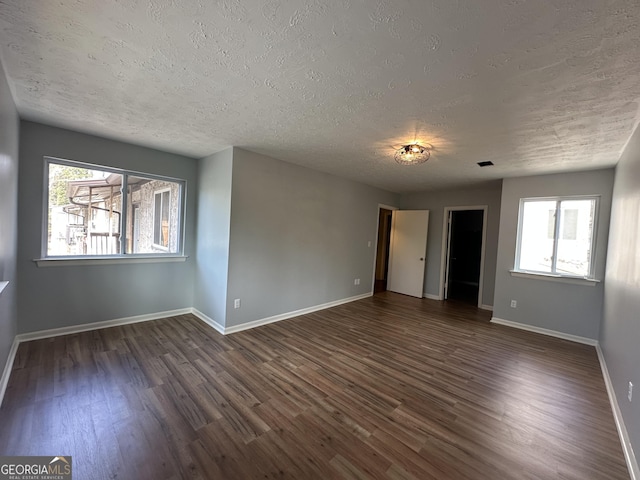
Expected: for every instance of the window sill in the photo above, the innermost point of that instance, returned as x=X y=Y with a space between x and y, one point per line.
x=591 y=282
x=74 y=262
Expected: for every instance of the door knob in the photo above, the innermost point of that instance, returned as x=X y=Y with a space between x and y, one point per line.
x=421 y=259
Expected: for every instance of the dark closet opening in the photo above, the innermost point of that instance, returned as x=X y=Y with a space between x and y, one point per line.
x=464 y=256
x=382 y=255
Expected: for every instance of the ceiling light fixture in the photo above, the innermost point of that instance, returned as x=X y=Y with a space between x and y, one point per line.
x=412 y=154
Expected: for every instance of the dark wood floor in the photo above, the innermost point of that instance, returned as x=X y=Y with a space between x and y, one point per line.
x=388 y=387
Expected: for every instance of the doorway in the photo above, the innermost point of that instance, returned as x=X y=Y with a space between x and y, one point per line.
x=464 y=254
x=382 y=251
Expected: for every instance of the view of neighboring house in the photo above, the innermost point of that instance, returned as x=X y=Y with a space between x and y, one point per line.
x=86 y=221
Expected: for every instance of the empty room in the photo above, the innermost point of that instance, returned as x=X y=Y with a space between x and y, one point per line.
x=319 y=239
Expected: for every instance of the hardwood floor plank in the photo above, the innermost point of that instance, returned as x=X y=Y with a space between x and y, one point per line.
x=402 y=456
x=389 y=387
x=398 y=473
x=343 y=442
x=107 y=451
x=347 y=470
x=17 y=425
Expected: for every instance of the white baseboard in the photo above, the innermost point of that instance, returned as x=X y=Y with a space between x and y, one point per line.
x=629 y=456
x=545 y=331
x=287 y=315
x=208 y=320
x=4 y=380
x=625 y=441
x=431 y=297
x=55 y=332
x=622 y=431
x=438 y=297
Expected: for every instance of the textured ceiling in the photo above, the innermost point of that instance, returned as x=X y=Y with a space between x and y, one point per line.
x=337 y=85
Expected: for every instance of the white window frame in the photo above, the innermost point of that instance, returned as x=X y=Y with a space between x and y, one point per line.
x=55 y=260
x=554 y=273
x=160 y=192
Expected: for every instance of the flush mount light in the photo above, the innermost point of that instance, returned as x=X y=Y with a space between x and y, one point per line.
x=412 y=154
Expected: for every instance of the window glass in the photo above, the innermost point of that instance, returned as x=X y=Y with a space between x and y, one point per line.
x=84 y=207
x=86 y=214
x=556 y=236
x=575 y=237
x=153 y=225
x=537 y=233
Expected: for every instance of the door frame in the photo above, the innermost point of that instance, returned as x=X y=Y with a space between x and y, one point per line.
x=445 y=245
x=375 y=250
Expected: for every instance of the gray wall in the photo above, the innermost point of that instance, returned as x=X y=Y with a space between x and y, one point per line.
x=9 y=131
x=435 y=202
x=212 y=244
x=298 y=237
x=566 y=308
x=620 y=332
x=62 y=296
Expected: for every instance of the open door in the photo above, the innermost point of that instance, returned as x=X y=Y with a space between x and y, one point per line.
x=408 y=251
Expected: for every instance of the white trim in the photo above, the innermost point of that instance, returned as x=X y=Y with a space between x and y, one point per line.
x=558 y=201
x=625 y=441
x=160 y=192
x=208 y=320
x=627 y=448
x=591 y=282
x=111 y=260
x=545 y=331
x=48 y=160
x=622 y=431
x=3 y=285
x=287 y=315
x=6 y=373
x=485 y=221
x=386 y=207
x=55 y=332
x=437 y=297
x=85 y=327
x=443 y=255
x=431 y=297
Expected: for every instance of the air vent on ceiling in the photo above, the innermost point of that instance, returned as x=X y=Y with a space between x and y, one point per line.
x=485 y=164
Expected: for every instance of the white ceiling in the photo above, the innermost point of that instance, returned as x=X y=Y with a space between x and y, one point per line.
x=336 y=85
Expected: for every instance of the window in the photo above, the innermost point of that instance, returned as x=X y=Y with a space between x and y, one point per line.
x=556 y=236
x=101 y=211
x=161 y=219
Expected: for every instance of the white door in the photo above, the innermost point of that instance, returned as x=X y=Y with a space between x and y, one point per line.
x=408 y=251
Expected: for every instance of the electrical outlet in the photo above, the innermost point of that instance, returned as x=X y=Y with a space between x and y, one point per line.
x=356 y=281
x=514 y=303
x=369 y=244
x=630 y=394
x=236 y=303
